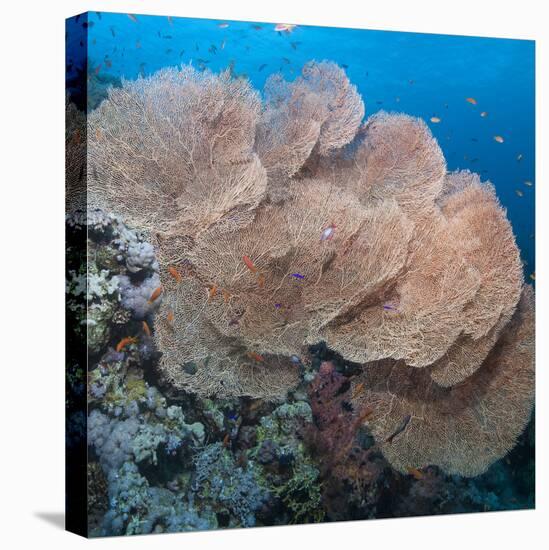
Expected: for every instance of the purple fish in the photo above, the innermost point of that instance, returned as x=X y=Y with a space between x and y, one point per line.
x=278 y=306
x=389 y=307
x=298 y=276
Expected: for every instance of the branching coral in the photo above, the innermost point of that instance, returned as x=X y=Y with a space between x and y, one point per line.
x=285 y=224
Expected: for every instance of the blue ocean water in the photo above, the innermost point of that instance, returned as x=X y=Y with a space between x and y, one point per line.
x=426 y=75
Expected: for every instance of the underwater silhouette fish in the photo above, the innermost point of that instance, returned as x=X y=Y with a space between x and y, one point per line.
x=213 y=49
x=132 y=17
x=528 y=183
x=261 y=67
x=484 y=114
x=294 y=45
x=435 y=119
x=223 y=25
x=257 y=27
x=519 y=193
x=170 y=19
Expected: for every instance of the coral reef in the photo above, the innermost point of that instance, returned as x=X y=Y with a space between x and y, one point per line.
x=284 y=223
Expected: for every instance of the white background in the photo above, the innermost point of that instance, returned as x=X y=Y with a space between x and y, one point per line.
x=32 y=279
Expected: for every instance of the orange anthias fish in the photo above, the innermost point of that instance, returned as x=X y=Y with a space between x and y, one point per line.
x=435 y=119
x=170 y=317
x=226 y=295
x=249 y=264
x=125 y=342
x=261 y=280
x=255 y=356
x=175 y=274
x=358 y=390
x=146 y=328
x=471 y=100
x=285 y=27
x=365 y=414
x=499 y=139
x=416 y=473
x=132 y=17
x=157 y=292
x=212 y=292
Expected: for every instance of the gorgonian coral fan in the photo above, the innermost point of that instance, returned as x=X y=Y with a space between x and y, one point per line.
x=287 y=222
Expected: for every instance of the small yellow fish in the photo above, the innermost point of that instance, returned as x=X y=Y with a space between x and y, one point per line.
x=471 y=100
x=499 y=139
x=435 y=119
x=528 y=183
x=519 y=192
x=416 y=473
x=533 y=276
x=484 y=114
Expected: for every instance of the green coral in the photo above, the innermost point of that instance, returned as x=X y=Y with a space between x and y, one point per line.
x=302 y=493
x=299 y=490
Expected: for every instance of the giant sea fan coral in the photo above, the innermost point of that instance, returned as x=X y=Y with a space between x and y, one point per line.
x=290 y=223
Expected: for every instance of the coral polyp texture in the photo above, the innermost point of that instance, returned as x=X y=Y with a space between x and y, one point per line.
x=282 y=220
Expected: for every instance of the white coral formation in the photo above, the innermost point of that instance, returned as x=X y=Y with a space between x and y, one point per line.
x=284 y=225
